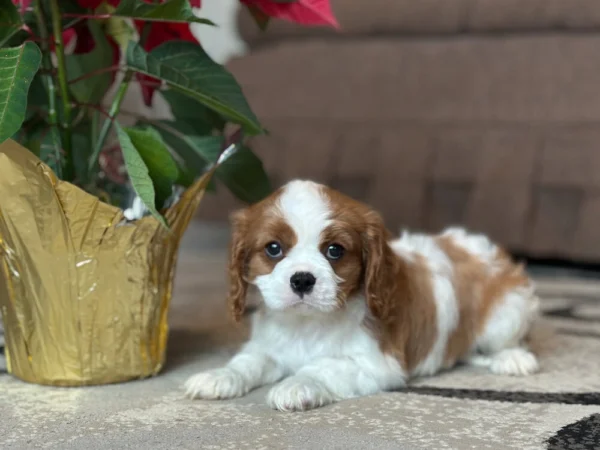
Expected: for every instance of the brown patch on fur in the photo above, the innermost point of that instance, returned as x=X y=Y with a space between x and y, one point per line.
x=398 y=293
x=478 y=289
x=349 y=267
x=509 y=277
x=363 y=231
x=411 y=330
x=273 y=228
x=470 y=274
x=253 y=228
x=238 y=286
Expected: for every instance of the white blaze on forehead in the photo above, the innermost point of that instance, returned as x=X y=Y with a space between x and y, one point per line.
x=305 y=208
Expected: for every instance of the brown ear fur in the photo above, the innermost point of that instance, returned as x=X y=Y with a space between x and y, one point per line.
x=238 y=254
x=381 y=269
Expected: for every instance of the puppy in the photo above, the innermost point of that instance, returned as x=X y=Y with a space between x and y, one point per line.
x=349 y=312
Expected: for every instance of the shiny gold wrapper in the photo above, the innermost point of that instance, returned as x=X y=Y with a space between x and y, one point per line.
x=83 y=293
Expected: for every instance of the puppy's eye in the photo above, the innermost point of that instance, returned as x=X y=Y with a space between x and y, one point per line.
x=273 y=249
x=334 y=251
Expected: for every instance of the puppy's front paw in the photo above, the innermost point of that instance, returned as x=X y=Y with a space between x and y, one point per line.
x=218 y=384
x=514 y=361
x=298 y=394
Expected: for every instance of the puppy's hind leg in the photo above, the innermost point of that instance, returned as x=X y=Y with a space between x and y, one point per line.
x=500 y=345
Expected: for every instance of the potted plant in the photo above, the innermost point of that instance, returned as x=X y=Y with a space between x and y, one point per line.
x=94 y=199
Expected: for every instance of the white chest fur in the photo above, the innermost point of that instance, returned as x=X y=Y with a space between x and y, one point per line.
x=295 y=340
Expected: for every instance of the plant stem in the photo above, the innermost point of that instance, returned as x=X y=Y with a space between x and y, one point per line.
x=47 y=64
x=87 y=16
x=94 y=131
x=69 y=171
x=94 y=73
x=93 y=136
x=112 y=113
x=114 y=107
x=95 y=109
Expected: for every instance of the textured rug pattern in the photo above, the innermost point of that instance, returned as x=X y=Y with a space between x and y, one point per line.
x=559 y=408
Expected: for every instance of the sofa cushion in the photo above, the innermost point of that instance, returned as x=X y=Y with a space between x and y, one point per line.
x=498 y=133
x=442 y=16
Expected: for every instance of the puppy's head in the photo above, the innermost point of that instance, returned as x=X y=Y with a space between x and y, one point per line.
x=308 y=248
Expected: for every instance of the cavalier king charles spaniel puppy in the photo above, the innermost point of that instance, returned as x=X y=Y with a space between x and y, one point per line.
x=347 y=311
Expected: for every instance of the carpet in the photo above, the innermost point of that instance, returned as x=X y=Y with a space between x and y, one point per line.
x=559 y=408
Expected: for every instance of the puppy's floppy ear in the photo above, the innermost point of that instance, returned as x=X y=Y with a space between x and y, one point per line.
x=380 y=267
x=238 y=254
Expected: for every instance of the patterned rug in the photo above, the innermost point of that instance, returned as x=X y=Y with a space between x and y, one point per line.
x=559 y=408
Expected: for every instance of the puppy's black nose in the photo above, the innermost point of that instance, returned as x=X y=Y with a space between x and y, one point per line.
x=302 y=282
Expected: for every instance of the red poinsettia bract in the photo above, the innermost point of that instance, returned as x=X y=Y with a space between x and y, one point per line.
x=303 y=12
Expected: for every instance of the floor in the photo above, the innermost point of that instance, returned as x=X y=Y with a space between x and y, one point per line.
x=462 y=408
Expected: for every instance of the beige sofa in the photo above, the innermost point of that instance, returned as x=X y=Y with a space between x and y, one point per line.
x=484 y=113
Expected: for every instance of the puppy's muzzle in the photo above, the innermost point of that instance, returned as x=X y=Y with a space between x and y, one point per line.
x=302 y=283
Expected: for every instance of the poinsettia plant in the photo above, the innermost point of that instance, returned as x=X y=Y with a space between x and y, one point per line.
x=65 y=67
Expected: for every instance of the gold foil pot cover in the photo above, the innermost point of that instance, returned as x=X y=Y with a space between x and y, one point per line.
x=83 y=293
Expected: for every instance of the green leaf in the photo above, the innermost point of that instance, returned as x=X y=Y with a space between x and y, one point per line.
x=242 y=173
x=186 y=67
x=186 y=109
x=182 y=140
x=191 y=165
x=139 y=174
x=91 y=89
x=18 y=66
x=169 y=11
x=161 y=166
x=190 y=147
x=10 y=21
